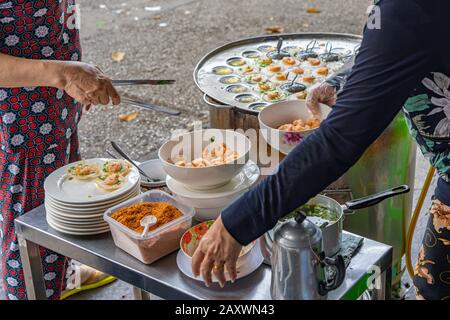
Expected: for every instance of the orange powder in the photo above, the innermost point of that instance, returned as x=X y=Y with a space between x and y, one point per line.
x=131 y=216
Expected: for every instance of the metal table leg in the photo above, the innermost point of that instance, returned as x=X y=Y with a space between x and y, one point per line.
x=139 y=294
x=32 y=269
x=383 y=292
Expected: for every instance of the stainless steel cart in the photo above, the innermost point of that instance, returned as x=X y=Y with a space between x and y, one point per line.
x=163 y=277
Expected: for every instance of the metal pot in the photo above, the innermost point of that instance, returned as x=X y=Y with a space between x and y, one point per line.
x=332 y=233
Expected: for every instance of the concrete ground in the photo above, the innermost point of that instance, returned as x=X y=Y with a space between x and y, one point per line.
x=167 y=43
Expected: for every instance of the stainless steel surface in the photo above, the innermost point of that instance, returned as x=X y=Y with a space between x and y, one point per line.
x=148 y=106
x=163 y=278
x=126 y=157
x=32 y=268
x=213 y=103
x=296 y=266
x=332 y=234
x=208 y=82
x=142 y=82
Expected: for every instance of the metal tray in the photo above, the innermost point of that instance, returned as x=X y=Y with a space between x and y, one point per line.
x=209 y=83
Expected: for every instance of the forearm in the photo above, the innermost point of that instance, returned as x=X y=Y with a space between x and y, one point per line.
x=20 y=72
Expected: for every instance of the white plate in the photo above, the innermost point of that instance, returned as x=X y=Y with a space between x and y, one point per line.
x=75 y=231
x=74 y=191
x=76 y=226
x=255 y=260
x=243 y=181
x=92 y=209
x=74 y=216
x=154 y=169
x=88 y=206
x=80 y=221
x=63 y=220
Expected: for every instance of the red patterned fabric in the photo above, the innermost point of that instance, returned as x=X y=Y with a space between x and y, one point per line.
x=38 y=128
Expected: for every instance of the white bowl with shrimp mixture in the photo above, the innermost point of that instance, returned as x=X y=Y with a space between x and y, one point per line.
x=284 y=113
x=205 y=159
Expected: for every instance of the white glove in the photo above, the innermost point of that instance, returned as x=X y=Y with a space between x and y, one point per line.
x=325 y=93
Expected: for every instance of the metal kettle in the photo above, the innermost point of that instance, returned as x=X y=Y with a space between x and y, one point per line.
x=299 y=263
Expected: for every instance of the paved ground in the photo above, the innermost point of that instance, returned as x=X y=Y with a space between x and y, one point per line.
x=167 y=44
x=193 y=28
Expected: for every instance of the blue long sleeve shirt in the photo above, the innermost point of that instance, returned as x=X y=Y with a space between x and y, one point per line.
x=391 y=65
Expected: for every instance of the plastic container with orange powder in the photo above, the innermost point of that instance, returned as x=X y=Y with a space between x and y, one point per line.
x=157 y=243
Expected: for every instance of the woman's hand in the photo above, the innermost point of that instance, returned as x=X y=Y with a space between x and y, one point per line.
x=87 y=84
x=325 y=93
x=217 y=250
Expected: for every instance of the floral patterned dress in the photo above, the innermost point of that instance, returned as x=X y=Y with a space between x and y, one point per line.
x=38 y=128
x=428 y=116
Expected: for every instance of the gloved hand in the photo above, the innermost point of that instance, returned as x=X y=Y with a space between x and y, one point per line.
x=325 y=93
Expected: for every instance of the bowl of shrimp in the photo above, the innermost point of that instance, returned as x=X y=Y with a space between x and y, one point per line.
x=205 y=159
x=285 y=124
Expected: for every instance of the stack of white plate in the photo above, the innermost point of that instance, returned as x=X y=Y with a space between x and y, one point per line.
x=76 y=207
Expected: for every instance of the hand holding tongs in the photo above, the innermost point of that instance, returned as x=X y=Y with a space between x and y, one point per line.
x=146 y=105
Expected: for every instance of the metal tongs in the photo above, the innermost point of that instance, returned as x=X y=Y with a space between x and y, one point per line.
x=142 y=82
x=145 y=105
x=148 y=106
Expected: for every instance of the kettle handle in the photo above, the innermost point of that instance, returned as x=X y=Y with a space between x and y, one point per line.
x=338 y=264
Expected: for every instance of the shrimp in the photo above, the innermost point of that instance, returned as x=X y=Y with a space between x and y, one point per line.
x=322 y=71
x=298 y=70
x=264 y=86
x=217 y=161
x=273 y=95
x=114 y=167
x=314 y=61
x=247 y=69
x=275 y=68
x=289 y=61
x=286 y=127
x=112 y=179
x=281 y=76
x=83 y=170
x=219 y=150
x=302 y=95
x=180 y=163
x=309 y=79
x=266 y=60
x=198 y=163
x=256 y=78
x=298 y=122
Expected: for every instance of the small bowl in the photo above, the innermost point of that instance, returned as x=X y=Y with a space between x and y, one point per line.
x=191 y=239
x=191 y=145
x=154 y=169
x=275 y=115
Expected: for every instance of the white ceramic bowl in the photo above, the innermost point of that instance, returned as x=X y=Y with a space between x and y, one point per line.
x=275 y=115
x=191 y=145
